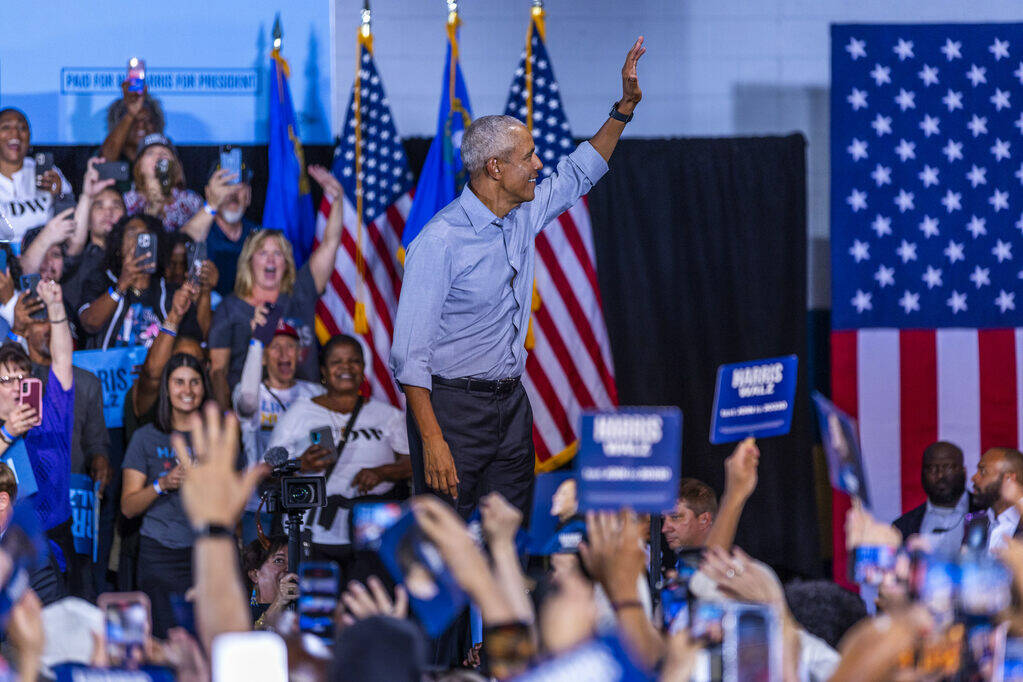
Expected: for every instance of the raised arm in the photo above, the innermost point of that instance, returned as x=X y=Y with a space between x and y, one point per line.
x=218 y=189
x=59 y=229
x=740 y=482
x=147 y=386
x=321 y=262
x=247 y=400
x=61 y=346
x=91 y=186
x=113 y=145
x=607 y=137
x=214 y=495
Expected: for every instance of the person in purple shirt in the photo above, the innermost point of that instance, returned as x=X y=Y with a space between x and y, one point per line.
x=48 y=444
x=459 y=335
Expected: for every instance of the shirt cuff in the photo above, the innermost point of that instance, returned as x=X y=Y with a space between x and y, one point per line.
x=589 y=161
x=408 y=376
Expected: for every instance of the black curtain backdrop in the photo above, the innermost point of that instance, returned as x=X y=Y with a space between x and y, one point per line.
x=701 y=258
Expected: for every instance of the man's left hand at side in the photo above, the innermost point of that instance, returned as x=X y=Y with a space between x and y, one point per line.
x=99 y=471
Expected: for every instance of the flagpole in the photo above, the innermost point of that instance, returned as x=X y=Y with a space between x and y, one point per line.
x=364 y=38
x=536 y=22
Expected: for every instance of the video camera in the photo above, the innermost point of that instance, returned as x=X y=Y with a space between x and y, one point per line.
x=287 y=492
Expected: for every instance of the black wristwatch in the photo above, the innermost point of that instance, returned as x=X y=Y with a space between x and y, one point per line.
x=213 y=530
x=617 y=115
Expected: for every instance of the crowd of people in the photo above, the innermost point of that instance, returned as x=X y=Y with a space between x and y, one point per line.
x=235 y=390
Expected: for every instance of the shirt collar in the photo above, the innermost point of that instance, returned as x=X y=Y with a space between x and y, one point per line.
x=1010 y=515
x=479 y=215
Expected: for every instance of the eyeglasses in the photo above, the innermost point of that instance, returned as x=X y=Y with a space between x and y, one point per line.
x=4 y=380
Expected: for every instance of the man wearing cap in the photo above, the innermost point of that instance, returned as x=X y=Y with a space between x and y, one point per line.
x=160 y=189
x=261 y=397
x=459 y=334
x=222 y=224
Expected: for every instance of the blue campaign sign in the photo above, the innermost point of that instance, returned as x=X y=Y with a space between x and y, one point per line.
x=604 y=659
x=630 y=458
x=754 y=398
x=116 y=369
x=83 y=514
x=17 y=459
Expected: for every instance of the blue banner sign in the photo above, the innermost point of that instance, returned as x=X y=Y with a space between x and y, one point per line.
x=116 y=369
x=630 y=458
x=17 y=459
x=754 y=398
x=84 y=514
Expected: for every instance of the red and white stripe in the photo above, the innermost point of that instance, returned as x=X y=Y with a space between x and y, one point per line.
x=381 y=240
x=570 y=367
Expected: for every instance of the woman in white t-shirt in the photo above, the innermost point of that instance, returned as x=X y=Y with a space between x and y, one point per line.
x=24 y=202
x=268 y=387
x=372 y=461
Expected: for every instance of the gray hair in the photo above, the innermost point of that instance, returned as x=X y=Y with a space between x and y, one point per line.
x=488 y=137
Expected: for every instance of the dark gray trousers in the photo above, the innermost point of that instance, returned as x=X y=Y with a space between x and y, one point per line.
x=491 y=440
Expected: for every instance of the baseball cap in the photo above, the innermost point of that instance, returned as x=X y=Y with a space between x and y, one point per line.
x=153 y=139
x=285 y=329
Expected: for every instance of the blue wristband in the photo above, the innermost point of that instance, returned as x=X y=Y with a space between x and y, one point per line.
x=114 y=295
x=7 y=434
x=156 y=487
x=169 y=332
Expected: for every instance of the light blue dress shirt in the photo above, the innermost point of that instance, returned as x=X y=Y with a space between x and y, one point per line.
x=465 y=298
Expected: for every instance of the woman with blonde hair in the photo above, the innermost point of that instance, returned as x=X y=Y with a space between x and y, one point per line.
x=268 y=286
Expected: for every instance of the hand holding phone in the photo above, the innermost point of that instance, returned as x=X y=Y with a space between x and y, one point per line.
x=318 y=594
x=32 y=396
x=145 y=245
x=112 y=170
x=231 y=161
x=128 y=619
x=136 y=75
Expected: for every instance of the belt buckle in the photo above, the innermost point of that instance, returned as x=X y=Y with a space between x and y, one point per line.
x=505 y=384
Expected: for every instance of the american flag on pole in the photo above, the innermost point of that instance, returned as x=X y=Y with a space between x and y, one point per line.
x=926 y=253
x=569 y=367
x=370 y=163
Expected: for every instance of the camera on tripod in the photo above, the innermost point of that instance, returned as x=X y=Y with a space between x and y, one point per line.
x=288 y=493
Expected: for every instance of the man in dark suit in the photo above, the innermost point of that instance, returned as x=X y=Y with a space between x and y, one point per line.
x=940 y=518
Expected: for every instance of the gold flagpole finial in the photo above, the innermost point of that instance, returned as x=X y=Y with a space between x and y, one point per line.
x=366 y=14
x=452 y=11
x=278 y=33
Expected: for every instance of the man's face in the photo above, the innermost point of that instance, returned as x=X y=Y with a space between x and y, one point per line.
x=521 y=168
x=236 y=203
x=38 y=337
x=987 y=482
x=944 y=479
x=52 y=267
x=281 y=358
x=107 y=209
x=683 y=528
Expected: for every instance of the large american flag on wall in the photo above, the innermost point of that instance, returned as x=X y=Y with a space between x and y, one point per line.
x=569 y=367
x=386 y=183
x=926 y=253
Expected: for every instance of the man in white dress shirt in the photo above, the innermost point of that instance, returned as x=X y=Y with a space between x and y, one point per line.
x=997 y=467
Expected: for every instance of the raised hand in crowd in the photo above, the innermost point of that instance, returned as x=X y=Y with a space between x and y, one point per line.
x=568 y=615
x=185 y=655
x=147 y=386
x=321 y=261
x=363 y=601
x=871 y=650
x=213 y=495
x=91 y=187
x=501 y=521
x=680 y=658
x=25 y=631
x=61 y=344
x=58 y=230
x=862 y=529
x=25 y=307
x=259 y=316
x=50 y=181
x=740 y=482
x=614 y=556
x=133 y=272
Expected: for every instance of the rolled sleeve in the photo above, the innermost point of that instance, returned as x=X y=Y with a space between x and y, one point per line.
x=574 y=177
x=423 y=291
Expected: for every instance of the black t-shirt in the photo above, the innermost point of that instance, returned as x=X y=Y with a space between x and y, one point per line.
x=224 y=254
x=137 y=317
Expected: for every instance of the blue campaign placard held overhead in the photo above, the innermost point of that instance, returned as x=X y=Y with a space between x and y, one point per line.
x=630 y=458
x=754 y=398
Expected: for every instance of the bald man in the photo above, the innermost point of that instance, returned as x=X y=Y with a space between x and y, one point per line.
x=940 y=518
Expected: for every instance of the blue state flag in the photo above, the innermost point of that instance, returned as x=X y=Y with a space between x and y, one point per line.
x=443 y=176
x=289 y=206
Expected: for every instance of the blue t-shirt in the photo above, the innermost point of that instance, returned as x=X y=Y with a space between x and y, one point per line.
x=49 y=452
x=224 y=254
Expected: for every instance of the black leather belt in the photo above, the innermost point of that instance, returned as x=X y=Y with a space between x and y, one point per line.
x=499 y=386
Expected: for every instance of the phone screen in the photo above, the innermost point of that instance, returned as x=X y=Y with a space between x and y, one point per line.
x=317 y=598
x=145 y=243
x=752 y=647
x=136 y=75
x=371 y=519
x=127 y=626
x=32 y=395
x=322 y=437
x=674 y=606
x=113 y=170
x=872 y=563
x=231 y=161
x=44 y=162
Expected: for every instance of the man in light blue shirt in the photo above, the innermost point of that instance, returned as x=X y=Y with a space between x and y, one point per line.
x=459 y=336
